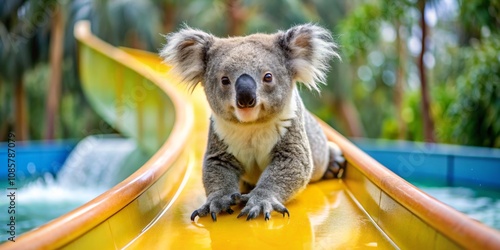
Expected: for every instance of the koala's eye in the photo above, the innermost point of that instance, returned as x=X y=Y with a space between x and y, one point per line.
x=225 y=80
x=268 y=77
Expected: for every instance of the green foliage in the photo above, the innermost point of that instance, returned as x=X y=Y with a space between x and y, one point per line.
x=395 y=9
x=131 y=23
x=466 y=105
x=76 y=118
x=23 y=36
x=411 y=115
x=476 y=14
x=465 y=112
x=477 y=108
x=36 y=83
x=464 y=83
x=5 y=105
x=444 y=96
x=360 y=30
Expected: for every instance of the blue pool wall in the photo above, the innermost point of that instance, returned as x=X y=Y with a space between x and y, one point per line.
x=439 y=164
x=35 y=158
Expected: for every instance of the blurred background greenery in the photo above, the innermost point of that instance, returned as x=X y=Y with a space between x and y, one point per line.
x=423 y=70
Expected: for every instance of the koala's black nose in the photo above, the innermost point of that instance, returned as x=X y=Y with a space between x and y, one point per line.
x=245 y=91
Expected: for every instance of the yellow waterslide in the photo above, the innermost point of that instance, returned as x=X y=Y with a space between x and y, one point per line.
x=369 y=208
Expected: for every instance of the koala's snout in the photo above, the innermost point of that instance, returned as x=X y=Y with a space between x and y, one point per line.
x=246 y=88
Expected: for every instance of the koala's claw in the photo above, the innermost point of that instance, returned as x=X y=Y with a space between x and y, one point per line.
x=285 y=211
x=261 y=202
x=215 y=205
x=250 y=215
x=267 y=216
x=336 y=164
x=194 y=214
x=240 y=214
x=254 y=212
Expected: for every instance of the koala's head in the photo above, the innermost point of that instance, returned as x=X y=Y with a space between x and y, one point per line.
x=250 y=79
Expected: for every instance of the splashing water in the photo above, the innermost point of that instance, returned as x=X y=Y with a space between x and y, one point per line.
x=96 y=164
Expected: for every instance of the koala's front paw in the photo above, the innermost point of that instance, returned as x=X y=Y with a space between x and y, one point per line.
x=216 y=204
x=261 y=201
x=336 y=163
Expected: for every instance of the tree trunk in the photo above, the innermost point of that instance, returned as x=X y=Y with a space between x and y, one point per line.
x=21 y=113
x=343 y=104
x=399 y=87
x=428 y=123
x=54 y=90
x=169 y=17
x=350 y=118
x=4 y=123
x=236 y=17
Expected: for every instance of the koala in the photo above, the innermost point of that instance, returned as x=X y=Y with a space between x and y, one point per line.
x=264 y=147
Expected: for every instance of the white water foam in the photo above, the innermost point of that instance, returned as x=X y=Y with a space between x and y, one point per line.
x=95 y=165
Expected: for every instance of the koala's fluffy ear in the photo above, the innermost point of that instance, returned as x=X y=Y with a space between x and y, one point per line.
x=309 y=49
x=186 y=53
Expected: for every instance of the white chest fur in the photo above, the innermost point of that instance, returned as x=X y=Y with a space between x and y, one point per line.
x=252 y=144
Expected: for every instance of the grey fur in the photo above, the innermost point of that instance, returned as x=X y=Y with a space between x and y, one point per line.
x=276 y=146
